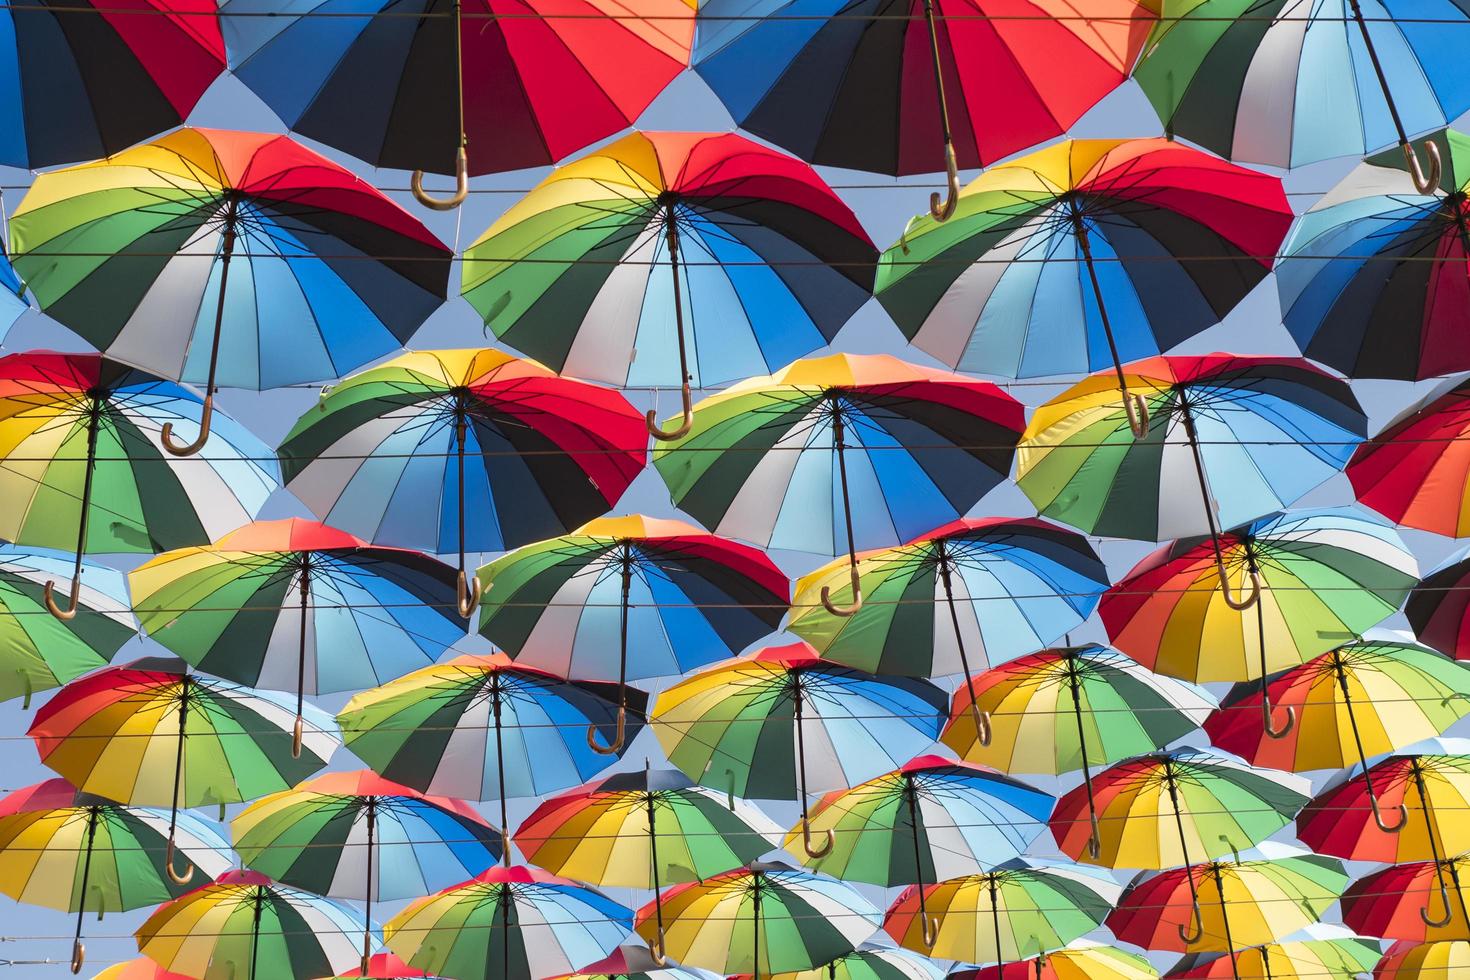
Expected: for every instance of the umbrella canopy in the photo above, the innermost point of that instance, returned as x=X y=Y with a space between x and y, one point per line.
x=384 y=966
x=515 y=923
x=1439 y=608
x=134 y=253
x=632 y=963
x=39 y=652
x=1009 y=285
x=1255 y=434
x=74 y=93
x=761 y=920
x=767 y=459
x=1001 y=915
x=1321 y=576
x=12 y=294
x=1373 y=279
x=1080 y=961
x=141 y=968
x=712 y=259
x=1308 y=959
x=1416 y=472
x=71 y=851
x=243 y=926
x=1422 y=901
x=871 y=962
x=984 y=588
x=1251 y=81
x=1422 y=961
x=1353 y=702
x=1172 y=808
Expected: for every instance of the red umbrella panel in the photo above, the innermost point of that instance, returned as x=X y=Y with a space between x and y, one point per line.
x=1416 y=472
x=1423 y=901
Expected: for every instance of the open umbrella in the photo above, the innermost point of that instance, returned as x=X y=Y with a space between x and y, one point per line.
x=87 y=80
x=510 y=923
x=914 y=86
x=82 y=466
x=1416 y=471
x=1439 y=608
x=761 y=920
x=69 y=850
x=150 y=733
x=644 y=830
x=383 y=454
x=672 y=259
x=1172 y=808
x=296 y=605
x=824 y=446
x=1373 y=280
x=357 y=835
x=1411 y=901
x=243 y=926
x=871 y=962
x=1084 y=255
x=1356 y=701
x=678 y=598
x=135 y=252
x=632 y=963
x=1081 y=960
x=1341 y=958
x=1423 y=961
x=744 y=726
x=524 y=84
x=1250 y=79
x=1003 y=915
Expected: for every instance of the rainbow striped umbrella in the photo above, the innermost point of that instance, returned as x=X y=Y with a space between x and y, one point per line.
x=1419 y=901
x=1423 y=961
x=1416 y=470
x=870 y=962
x=1081 y=960
x=634 y=963
x=1342 y=957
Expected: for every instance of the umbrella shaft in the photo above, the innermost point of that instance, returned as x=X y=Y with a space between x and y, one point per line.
x=1084 y=242
x=461 y=433
x=1393 y=110
x=367 y=915
x=1081 y=736
x=910 y=792
x=938 y=72
x=173 y=813
x=1000 y=959
x=495 y=695
x=839 y=443
x=623 y=627
x=255 y=931
x=86 y=871
x=1187 y=417
x=671 y=238
x=954 y=619
x=301 y=653
x=1179 y=825
x=800 y=747
x=94 y=414
x=658 y=902
x=227 y=250
x=1225 y=920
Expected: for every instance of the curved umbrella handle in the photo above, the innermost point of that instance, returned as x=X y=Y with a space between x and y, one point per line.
x=929 y=925
x=1137 y=410
x=944 y=211
x=78 y=955
x=655 y=950
x=467 y=596
x=189 y=449
x=1271 y=730
x=296 y=734
x=983 y=732
x=1094 y=842
x=1198 y=924
x=1378 y=816
x=662 y=435
x=1444 y=901
x=461 y=186
x=1421 y=184
x=617 y=742
x=806 y=841
x=857 y=596
x=70 y=612
x=168 y=865
x=1251 y=598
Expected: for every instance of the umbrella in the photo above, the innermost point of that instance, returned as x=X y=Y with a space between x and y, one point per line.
x=773 y=262
x=999 y=587
x=1250 y=81
x=682 y=598
x=928 y=820
x=1373 y=282
x=1439 y=608
x=1002 y=915
x=1080 y=961
x=50 y=834
x=512 y=923
x=1415 y=471
x=41 y=652
x=610 y=832
x=1170 y=808
x=1221 y=906
x=524 y=83
x=764 y=919
x=871 y=962
x=1422 y=961
x=1355 y=701
x=631 y=963
x=1056 y=711
x=80 y=435
x=1399 y=902
x=913 y=86
x=122 y=733
x=374 y=456
x=87 y=80
x=767 y=460
x=293 y=604
x=743 y=726
x=134 y=253
x=242 y=925
x=1345 y=958
x=1012 y=287
x=310 y=836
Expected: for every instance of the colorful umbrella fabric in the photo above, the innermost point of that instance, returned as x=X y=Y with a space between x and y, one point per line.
x=74 y=93
x=1351 y=703
x=1320 y=576
x=1003 y=915
x=1423 y=961
x=1439 y=608
x=384 y=966
x=243 y=926
x=742 y=250
x=12 y=293
x=71 y=851
x=1173 y=808
x=515 y=923
x=134 y=253
x=983 y=588
x=141 y=968
x=1423 y=901
x=1309 y=959
x=1080 y=961
x=1009 y=285
x=764 y=919
x=1373 y=279
x=766 y=459
x=632 y=963
x=1254 y=433
x=1416 y=472
x=870 y=962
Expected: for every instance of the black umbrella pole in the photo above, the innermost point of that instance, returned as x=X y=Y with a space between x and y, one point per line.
x=755 y=905
x=1439 y=862
x=78 y=950
x=1422 y=184
x=1347 y=701
x=813 y=852
x=1133 y=405
x=227 y=249
x=1197 y=924
x=467 y=589
x=928 y=926
x=1225 y=920
x=296 y=732
x=840 y=447
x=981 y=718
x=942 y=210
x=495 y=695
x=1094 y=841
x=619 y=736
x=255 y=930
x=1238 y=604
x=461 y=159
x=94 y=411
x=173 y=813
x=367 y=915
x=1000 y=956
x=1266 y=710
x=686 y=421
